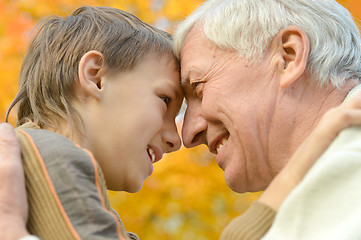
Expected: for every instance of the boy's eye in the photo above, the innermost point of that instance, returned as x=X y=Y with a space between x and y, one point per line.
x=166 y=100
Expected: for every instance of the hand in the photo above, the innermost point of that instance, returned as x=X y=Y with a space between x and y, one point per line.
x=13 y=201
x=332 y=122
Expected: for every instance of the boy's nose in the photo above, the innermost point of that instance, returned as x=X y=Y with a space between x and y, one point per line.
x=171 y=139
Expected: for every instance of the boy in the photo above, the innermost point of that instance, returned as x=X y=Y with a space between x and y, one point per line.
x=98 y=93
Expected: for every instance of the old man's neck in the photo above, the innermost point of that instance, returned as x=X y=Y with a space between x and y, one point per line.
x=299 y=110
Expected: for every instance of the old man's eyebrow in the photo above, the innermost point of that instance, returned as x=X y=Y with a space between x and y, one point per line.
x=192 y=73
x=185 y=80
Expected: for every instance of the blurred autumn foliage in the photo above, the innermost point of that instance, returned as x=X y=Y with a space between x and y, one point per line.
x=186 y=197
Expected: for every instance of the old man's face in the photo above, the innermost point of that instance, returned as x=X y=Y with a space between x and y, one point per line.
x=231 y=105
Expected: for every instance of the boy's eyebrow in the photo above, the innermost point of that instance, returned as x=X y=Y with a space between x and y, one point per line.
x=178 y=91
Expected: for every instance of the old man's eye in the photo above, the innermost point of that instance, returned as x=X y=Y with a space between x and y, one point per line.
x=197 y=87
x=196 y=84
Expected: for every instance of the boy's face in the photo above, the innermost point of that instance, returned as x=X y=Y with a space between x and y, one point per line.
x=133 y=123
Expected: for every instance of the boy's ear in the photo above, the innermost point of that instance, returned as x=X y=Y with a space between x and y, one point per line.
x=293 y=48
x=91 y=72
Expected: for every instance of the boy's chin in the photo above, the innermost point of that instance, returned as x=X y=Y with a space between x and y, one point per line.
x=135 y=187
x=134 y=190
x=131 y=185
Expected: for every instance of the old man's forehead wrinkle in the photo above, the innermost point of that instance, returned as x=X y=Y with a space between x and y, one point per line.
x=216 y=68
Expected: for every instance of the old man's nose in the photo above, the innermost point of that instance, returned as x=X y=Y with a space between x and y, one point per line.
x=194 y=128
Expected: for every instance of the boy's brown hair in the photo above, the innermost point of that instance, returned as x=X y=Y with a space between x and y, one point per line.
x=49 y=71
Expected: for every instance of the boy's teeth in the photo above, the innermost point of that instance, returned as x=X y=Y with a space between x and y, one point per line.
x=151 y=153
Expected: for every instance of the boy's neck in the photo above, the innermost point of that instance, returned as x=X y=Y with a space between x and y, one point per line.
x=62 y=128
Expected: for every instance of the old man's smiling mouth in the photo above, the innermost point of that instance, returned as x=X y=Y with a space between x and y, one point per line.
x=218 y=144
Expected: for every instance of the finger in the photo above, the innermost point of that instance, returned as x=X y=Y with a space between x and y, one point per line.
x=354 y=102
x=9 y=144
x=12 y=185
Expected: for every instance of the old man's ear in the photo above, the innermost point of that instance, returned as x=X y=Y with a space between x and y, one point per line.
x=91 y=71
x=293 y=48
